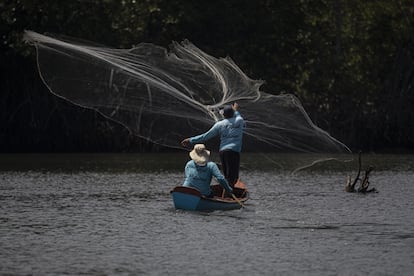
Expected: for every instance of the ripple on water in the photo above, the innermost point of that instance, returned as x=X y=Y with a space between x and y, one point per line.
x=125 y=223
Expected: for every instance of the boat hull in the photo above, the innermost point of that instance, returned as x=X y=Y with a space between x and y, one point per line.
x=186 y=198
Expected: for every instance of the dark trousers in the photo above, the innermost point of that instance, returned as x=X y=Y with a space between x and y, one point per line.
x=230 y=161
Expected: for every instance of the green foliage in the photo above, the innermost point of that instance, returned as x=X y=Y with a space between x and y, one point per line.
x=350 y=62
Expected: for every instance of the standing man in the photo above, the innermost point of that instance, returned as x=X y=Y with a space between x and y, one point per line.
x=230 y=130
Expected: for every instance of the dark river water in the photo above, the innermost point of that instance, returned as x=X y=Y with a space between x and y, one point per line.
x=113 y=215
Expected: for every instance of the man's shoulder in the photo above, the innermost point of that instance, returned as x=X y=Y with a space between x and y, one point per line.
x=221 y=122
x=238 y=118
x=211 y=164
x=190 y=163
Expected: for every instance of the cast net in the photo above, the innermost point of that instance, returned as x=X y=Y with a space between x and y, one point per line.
x=164 y=96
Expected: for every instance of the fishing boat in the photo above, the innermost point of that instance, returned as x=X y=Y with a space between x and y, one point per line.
x=187 y=198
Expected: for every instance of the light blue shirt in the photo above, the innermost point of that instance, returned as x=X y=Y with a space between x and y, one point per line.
x=199 y=177
x=230 y=131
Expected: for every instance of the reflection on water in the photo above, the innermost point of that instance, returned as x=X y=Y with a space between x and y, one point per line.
x=113 y=215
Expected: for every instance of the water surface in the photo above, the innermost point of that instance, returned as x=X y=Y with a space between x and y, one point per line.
x=113 y=215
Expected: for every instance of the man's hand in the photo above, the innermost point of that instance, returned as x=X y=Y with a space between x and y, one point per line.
x=185 y=142
x=235 y=106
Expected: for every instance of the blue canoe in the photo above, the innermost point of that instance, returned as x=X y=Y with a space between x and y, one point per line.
x=186 y=198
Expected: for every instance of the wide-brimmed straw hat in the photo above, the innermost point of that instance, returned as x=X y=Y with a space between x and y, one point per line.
x=200 y=154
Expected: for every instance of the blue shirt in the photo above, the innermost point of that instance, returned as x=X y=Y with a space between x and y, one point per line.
x=199 y=177
x=230 y=131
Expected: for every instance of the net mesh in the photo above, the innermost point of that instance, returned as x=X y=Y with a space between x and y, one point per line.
x=164 y=96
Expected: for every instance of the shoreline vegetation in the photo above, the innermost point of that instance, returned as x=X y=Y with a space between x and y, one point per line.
x=175 y=161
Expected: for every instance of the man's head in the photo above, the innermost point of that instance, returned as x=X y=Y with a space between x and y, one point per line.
x=200 y=154
x=228 y=111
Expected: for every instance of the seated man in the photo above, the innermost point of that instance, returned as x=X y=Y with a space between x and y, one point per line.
x=199 y=171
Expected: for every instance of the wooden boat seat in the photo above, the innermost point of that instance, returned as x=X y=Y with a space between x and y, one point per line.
x=218 y=191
